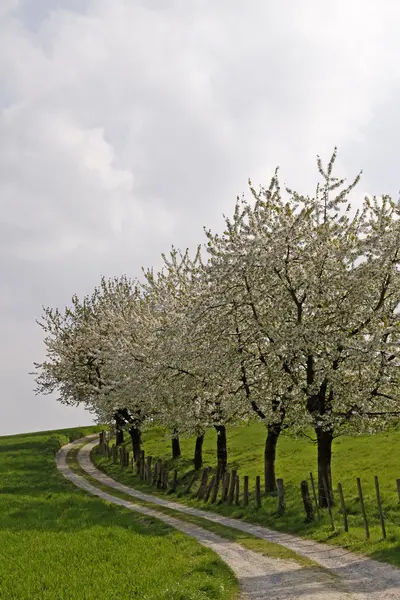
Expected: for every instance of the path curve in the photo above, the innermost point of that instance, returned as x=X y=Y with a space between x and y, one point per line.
x=260 y=577
x=365 y=576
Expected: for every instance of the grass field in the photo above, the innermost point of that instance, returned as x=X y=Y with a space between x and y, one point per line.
x=361 y=456
x=57 y=543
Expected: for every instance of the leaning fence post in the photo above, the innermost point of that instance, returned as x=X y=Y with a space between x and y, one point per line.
x=203 y=482
x=308 y=505
x=225 y=487
x=364 y=514
x=190 y=484
x=215 y=489
x=209 y=488
x=343 y=507
x=245 y=490
x=281 y=497
x=378 y=499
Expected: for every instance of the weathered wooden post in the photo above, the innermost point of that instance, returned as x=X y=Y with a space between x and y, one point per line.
x=308 y=506
x=114 y=454
x=245 y=490
x=190 y=484
x=328 y=502
x=174 y=484
x=142 y=464
x=258 y=492
x=378 y=499
x=315 y=496
x=225 y=487
x=215 y=489
x=398 y=488
x=148 y=469
x=281 y=497
x=343 y=507
x=203 y=482
x=237 y=491
x=232 y=487
x=209 y=488
x=364 y=514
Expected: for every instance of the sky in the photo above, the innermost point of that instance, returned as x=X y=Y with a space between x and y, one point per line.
x=126 y=126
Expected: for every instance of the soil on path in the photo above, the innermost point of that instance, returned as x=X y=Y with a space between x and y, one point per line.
x=260 y=577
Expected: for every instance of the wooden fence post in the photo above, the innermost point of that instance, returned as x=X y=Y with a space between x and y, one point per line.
x=315 y=496
x=157 y=467
x=364 y=514
x=215 y=489
x=281 y=497
x=232 y=487
x=343 y=507
x=378 y=500
x=203 y=483
x=165 y=478
x=258 y=492
x=328 y=501
x=148 y=469
x=126 y=459
x=174 y=484
x=308 y=505
x=237 y=491
x=142 y=464
x=190 y=484
x=209 y=488
x=225 y=487
x=114 y=453
x=398 y=488
x=245 y=490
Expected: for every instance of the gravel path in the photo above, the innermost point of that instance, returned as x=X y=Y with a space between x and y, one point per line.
x=260 y=577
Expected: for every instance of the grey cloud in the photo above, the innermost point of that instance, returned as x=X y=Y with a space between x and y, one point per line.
x=126 y=126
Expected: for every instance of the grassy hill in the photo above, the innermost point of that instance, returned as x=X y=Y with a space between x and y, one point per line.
x=57 y=543
x=361 y=456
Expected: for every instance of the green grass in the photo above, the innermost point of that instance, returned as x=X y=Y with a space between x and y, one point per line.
x=361 y=456
x=58 y=543
x=246 y=540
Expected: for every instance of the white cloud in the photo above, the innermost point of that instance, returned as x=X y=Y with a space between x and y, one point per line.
x=125 y=126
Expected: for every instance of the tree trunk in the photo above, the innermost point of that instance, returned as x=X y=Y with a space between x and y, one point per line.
x=324 y=441
x=222 y=452
x=198 y=453
x=176 y=448
x=136 y=438
x=271 y=441
x=119 y=436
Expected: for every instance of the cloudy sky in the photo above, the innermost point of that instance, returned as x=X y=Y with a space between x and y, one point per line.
x=127 y=125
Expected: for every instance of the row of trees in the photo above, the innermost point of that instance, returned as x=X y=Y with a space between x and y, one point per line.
x=290 y=316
